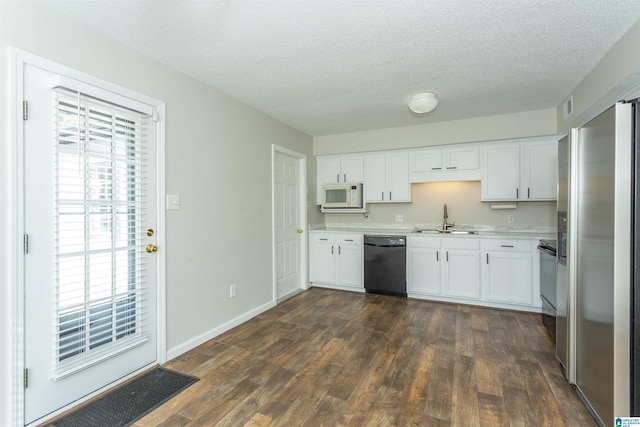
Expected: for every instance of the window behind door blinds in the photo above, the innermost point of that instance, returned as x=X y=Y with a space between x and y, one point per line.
x=99 y=198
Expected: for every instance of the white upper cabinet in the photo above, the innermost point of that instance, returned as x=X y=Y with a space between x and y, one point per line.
x=520 y=170
x=339 y=170
x=387 y=177
x=426 y=160
x=459 y=163
x=501 y=174
x=541 y=170
x=460 y=158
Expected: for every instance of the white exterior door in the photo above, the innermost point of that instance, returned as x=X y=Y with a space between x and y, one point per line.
x=90 y=286
x=288 y=230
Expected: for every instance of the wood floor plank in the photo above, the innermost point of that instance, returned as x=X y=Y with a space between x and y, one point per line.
x=465 y=406
x=413 y=412
x=493 y=412
x=464 y=340
x=366 y=389
x=438 y=402
x=520 y=409
x=334 y=358
x=488 y=376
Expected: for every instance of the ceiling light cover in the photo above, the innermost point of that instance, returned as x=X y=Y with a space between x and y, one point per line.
x=423 y=102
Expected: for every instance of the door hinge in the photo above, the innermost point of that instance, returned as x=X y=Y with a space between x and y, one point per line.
x=25 y=110
x=26 y=378
x=25 y=243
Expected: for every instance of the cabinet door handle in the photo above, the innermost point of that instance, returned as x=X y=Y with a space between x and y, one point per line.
x=383 y=195
x=487 y=258
x=324 y=239
x=338 y=178
x=338 y=250
x=506 y=246
x=447 y=253
x=437 y=256
x=528 y=193
x=517 y=193
x=348 y=240
x=390 y=198
x=345 y=177
x=331 y=249
x=452 y=167
x=436 y=169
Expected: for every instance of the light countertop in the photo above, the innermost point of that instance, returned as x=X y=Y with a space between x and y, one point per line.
x=484 y=231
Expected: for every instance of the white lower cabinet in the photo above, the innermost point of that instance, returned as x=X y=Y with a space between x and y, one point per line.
x=485 y=271
x=462 y=268
x=508 y=271
x=423 y=265
x=349 y=263
x=336 y=260
x=443 y=266
x=481 y=271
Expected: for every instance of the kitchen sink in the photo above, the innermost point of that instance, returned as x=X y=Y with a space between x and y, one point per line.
x=440 y=231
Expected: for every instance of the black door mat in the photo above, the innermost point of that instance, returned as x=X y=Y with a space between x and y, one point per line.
x=129 y=402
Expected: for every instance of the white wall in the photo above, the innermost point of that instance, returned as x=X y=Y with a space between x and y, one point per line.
x=218 y=159
x=616 y=77
x=489 y=128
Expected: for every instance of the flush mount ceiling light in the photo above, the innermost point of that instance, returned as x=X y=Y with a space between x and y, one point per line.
x=423 y=102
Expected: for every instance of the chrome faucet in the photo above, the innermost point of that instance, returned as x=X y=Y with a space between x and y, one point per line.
x=447 y=225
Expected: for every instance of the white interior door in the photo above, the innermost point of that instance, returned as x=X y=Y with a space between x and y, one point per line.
x=90 y=285
x=288 y=229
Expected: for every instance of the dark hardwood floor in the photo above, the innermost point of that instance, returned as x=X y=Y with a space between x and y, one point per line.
x=331 y=358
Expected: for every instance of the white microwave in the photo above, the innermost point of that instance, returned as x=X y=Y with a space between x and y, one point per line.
x=342 y=196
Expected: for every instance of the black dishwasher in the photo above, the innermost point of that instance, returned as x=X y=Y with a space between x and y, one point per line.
x=385 y=265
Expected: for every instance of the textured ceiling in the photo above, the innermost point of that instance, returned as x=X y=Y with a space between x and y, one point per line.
x=333 y=66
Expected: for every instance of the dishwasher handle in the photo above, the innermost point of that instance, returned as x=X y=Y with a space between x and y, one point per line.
x=376 y=245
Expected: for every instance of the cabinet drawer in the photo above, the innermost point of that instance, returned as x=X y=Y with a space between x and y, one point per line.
x=423 y=242
x=507 y=245
x=461 y=243
x=323 y=238
x=349 y=239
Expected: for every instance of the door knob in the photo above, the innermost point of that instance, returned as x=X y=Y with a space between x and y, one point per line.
x=299 y=230
x=151 y=248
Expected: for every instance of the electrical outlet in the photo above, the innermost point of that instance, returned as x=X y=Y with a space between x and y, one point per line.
x=232 y=290
x=511 y=219
x=399 y=218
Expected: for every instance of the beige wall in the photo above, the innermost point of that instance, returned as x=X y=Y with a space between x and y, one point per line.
x=218 y=157
x=617 y=76
x=505 y=126
x=464 y=206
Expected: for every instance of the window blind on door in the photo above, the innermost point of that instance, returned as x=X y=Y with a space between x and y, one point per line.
x=100 y=286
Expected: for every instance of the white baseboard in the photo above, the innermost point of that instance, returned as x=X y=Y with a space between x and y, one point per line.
x=202 y=338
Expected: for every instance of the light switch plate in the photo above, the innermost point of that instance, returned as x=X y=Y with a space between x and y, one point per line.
x=173 y=202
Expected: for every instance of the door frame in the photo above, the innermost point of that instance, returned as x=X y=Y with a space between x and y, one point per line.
x=302 y=207
x=18 y=60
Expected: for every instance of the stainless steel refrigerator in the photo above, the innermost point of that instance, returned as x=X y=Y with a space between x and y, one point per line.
x=600 y=283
